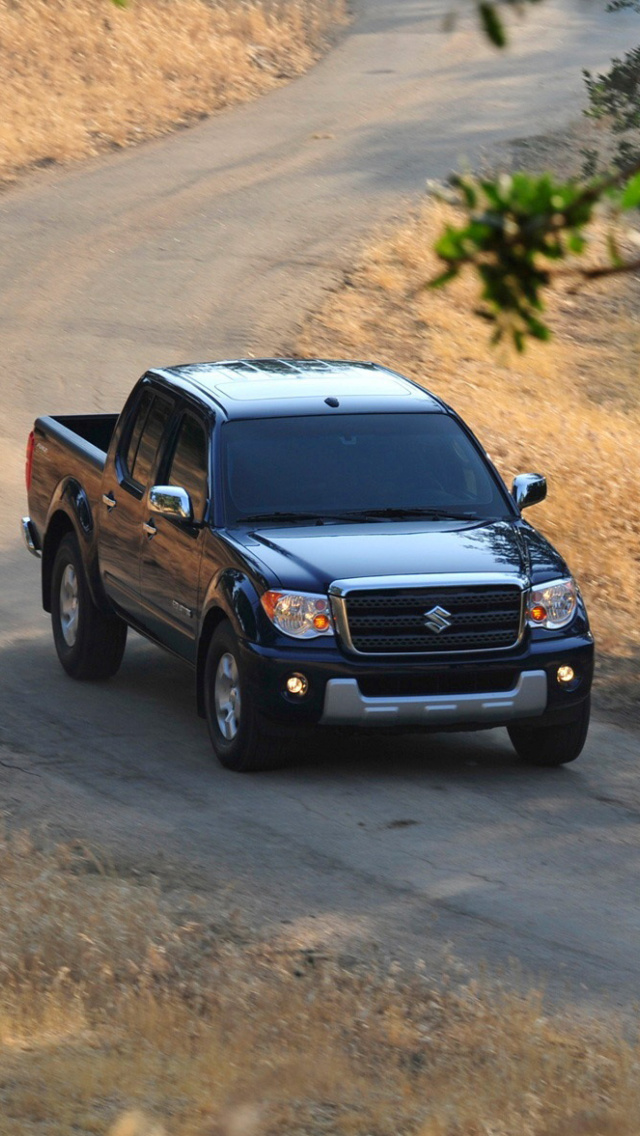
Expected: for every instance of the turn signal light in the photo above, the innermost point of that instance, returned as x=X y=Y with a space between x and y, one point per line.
x=270 y=601
x=538 y=613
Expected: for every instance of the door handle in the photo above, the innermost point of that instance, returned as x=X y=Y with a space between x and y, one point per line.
x=150 y=529
x=109 y=500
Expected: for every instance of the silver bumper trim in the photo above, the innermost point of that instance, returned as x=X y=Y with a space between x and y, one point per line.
x=344 y=705
x=30 y=536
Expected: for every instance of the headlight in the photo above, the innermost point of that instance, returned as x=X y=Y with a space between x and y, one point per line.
x=298 y=614
x=552 y=605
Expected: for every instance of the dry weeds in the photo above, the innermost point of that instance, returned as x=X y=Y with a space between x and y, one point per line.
x=80 y=76
x=111 y=1005
x=570 y=411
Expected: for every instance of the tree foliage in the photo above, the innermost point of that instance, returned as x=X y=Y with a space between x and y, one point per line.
x=492 y=17
x=623 y=5
x=614 y=97
x=520 y=231
x=517 y=229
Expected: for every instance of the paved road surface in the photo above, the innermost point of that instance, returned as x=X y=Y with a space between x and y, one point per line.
x=214 y=243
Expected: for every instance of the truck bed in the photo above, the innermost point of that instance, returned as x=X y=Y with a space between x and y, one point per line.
x=96 y=429
x=68 y=446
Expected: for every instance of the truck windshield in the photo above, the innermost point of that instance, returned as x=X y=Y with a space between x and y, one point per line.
x=356 y=467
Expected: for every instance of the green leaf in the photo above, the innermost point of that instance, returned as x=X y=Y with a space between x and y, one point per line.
x=576 y=243
x=614 y=251
x=119 y=3
x=631 y=194
x=537 y=329
x=469 y=192
x=449 y=246
x=492 y=25
x=444 y=278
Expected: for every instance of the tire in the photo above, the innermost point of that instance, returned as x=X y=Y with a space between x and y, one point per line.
x=89 y=644
x=241 y=738
x=552 y=745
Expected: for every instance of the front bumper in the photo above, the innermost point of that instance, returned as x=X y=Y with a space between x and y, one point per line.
x=417 y=693
x=345 y=705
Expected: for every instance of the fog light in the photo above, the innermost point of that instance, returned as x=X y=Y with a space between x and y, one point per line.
x=566 y=674
x=297 y=684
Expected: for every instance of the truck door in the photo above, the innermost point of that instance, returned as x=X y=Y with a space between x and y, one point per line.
x=171 y=548
x=125 y=482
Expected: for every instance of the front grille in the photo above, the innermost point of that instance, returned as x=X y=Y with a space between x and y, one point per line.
x=482 y=617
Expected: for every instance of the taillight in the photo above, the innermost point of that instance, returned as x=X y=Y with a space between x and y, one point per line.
x=31 y=441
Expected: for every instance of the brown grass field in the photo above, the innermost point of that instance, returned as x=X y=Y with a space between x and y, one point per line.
x=115 y=1000
x=83 y=76
x=570 y=410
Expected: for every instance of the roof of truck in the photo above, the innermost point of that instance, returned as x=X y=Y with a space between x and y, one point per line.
x=248 y=388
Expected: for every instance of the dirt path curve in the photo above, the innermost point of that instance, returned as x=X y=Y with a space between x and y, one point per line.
x=212 y=243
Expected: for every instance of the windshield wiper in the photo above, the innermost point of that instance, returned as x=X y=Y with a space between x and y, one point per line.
x=319 y=518
x=363 y=515
x=429 y=514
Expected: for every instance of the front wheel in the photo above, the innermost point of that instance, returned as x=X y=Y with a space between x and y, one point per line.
x=89 y=644
x=552 y=745
x=241 y=738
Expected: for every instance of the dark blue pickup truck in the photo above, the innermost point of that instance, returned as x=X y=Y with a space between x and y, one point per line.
x=325 y=543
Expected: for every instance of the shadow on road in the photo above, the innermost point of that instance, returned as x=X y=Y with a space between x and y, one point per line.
x=152 y=701
x=148 y=711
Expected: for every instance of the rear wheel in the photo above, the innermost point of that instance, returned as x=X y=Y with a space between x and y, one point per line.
x=552 y=745
x=242 y=739
x=89 y=644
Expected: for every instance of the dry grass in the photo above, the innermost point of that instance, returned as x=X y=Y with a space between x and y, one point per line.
x=80 y=76
x=109 y=1003
x=571 y=411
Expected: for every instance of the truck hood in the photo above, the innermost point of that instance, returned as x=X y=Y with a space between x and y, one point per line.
x=310 y=557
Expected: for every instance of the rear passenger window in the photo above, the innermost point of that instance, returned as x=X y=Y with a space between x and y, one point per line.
x=190 y=464
x=150 y=438
x=144 y=406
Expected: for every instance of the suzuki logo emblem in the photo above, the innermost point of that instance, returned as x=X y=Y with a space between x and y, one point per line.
x=438 y=619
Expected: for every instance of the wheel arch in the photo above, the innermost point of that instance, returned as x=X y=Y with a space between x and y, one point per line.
x=231 y=596
x=70 y=512
x=59 y=526
x=214 y=617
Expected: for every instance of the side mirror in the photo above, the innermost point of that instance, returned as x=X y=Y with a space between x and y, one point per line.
x=529 y=489
x=171 y=501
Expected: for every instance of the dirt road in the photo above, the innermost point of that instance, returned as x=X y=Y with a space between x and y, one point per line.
x=214 y=243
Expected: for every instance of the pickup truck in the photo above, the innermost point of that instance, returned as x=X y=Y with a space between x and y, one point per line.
x=325 y=543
